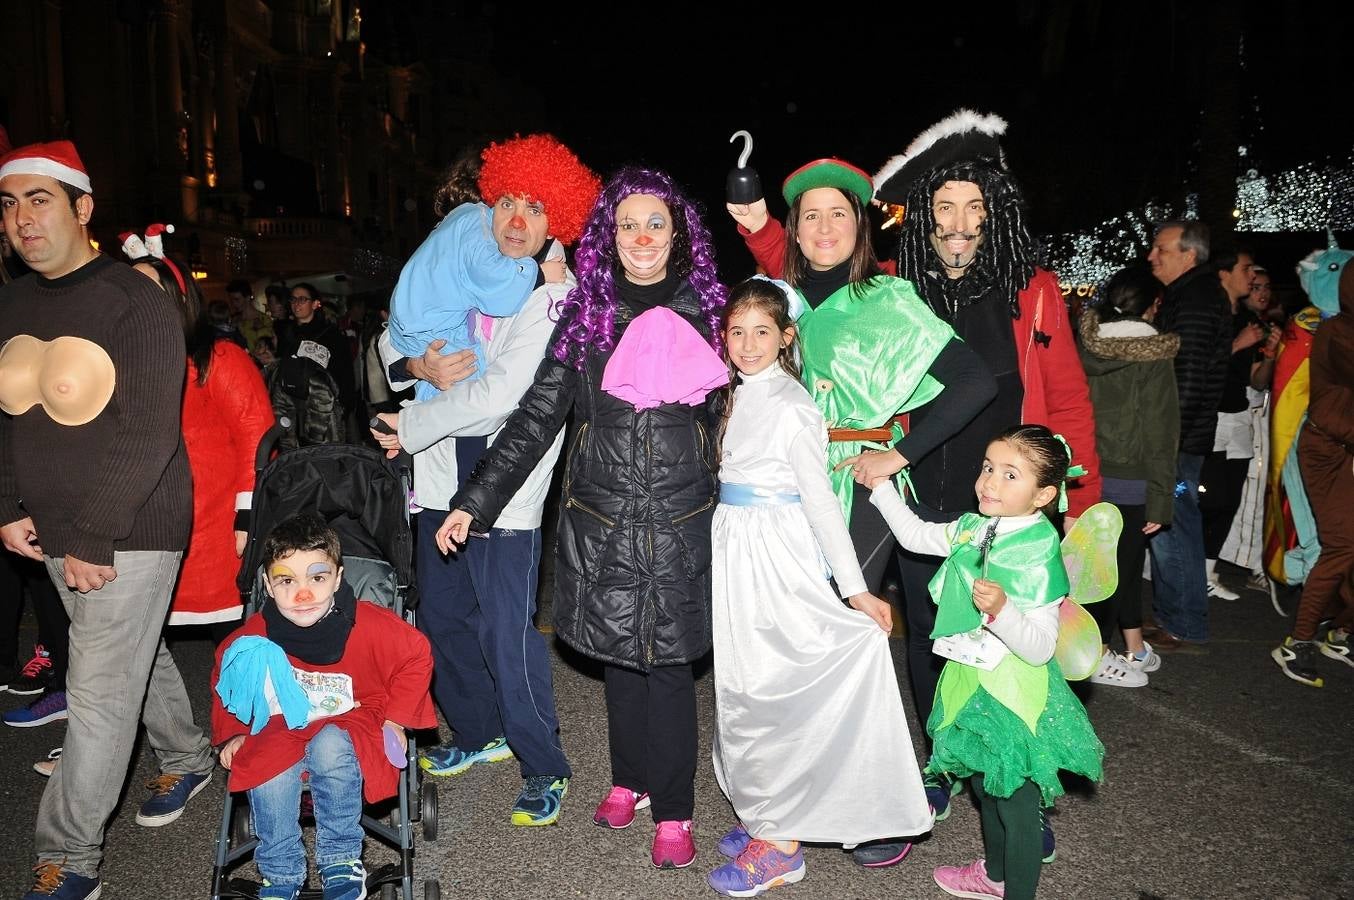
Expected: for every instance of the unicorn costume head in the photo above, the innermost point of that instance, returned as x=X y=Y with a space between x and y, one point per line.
x=1319 y=274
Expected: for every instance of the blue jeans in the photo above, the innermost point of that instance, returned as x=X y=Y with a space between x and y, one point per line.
x=335 y=789
x=1179 y=584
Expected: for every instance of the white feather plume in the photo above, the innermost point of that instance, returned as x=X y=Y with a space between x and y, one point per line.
x=960 y=121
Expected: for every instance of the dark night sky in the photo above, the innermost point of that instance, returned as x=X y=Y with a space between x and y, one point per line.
x=1105 y=100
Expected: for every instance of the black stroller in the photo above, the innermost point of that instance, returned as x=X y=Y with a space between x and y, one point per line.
x=359 y=495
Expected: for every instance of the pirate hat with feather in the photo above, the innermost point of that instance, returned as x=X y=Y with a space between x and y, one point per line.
x=964 y=136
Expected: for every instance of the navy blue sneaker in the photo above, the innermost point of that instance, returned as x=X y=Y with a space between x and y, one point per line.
x=52 y=882
x=1050 y=845
x=344 y=881
x=540 y=800
x=452 y=760
x=939 y=789
x=50 y=707
x=169 y=795
x=880 y=854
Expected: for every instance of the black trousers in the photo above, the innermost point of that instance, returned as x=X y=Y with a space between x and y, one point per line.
x=651 y=722
x=1220 y=485
x=1123 y=608
x=874 y=544
x=17 y=576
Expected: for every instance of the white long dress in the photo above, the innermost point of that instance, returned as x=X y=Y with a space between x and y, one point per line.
x=811 y=742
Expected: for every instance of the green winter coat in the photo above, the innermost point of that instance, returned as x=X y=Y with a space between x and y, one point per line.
x=1137 y=411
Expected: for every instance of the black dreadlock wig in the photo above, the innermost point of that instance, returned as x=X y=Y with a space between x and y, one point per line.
x=1006 y=257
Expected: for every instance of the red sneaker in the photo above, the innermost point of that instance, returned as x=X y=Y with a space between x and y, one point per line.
x=617 y=810
x=673 y=846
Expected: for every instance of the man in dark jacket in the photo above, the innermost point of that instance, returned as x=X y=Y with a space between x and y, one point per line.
x=317 y=338
x=1196 y=308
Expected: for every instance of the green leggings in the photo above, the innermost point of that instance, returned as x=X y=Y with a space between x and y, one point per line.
x=1012 y=838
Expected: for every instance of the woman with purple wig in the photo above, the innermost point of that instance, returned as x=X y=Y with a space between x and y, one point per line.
x=635 y=355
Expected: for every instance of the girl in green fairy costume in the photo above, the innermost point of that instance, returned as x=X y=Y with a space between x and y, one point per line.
x=1003 y=715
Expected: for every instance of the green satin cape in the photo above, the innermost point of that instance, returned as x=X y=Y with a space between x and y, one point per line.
x=865 y=359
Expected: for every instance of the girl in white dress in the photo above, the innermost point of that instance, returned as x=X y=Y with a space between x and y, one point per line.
x=811 y=742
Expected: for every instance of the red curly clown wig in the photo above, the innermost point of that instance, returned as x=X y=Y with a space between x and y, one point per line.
x=543 y=169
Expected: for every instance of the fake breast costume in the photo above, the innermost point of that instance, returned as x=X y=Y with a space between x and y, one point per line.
x=117 y=480
x=70 y=377
x=999 y=711
x=810 y=724
x=866 y=350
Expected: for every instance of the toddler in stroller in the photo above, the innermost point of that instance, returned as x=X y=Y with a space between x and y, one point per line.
x=318 y=688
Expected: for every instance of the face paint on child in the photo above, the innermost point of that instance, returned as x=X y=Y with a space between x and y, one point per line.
x=304 y=601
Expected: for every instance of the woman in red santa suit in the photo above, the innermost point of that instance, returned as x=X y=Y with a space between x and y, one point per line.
x=225 y=413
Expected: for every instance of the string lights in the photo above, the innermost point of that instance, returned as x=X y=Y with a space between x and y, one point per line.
x=1308 y=197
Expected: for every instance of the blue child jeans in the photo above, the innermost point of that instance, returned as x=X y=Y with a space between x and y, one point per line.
x=335 y=790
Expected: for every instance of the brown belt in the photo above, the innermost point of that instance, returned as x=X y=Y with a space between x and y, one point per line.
x=863 y=434
x=859 y=434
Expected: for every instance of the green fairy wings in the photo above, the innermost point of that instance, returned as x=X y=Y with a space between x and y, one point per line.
x=1093 y=574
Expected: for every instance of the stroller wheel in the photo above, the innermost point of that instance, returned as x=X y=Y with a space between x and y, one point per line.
x=428 y=798
x=432 y=890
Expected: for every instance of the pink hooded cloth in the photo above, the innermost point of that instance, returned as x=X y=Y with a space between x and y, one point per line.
x=661 y=359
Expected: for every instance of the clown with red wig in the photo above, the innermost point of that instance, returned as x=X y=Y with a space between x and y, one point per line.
x=485 y=260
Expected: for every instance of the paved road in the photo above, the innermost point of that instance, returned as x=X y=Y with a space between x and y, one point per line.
x=1223 y=779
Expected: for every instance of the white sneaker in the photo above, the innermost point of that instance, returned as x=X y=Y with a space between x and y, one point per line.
x=45 y=767
x=1217 y=591
x=1150 y=662
x=1214 y=587
x=1115 y=671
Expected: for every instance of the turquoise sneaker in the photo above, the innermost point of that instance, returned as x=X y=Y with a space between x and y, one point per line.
x=452 y=760
x=539 y=802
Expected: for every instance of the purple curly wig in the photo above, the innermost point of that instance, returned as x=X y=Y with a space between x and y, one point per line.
x=590 y=309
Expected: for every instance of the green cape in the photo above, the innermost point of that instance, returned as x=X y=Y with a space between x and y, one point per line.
x=865 y=359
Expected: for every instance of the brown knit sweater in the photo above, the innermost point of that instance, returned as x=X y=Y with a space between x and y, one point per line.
x=119 y=482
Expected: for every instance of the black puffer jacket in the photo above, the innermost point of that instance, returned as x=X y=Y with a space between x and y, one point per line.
x=632 y=569
x=1196 y=308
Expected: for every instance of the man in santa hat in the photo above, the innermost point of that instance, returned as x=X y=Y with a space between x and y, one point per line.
x=94 y=483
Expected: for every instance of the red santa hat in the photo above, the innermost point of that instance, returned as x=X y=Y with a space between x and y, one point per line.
x=56 y=159
x=155 y=241
x=5 y=145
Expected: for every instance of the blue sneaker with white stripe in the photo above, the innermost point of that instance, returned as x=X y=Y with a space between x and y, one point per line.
x=344 y=881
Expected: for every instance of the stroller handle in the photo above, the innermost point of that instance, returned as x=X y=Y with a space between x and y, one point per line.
x=267 y=442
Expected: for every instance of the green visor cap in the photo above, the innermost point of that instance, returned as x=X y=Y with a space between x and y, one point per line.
x=834 y=173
